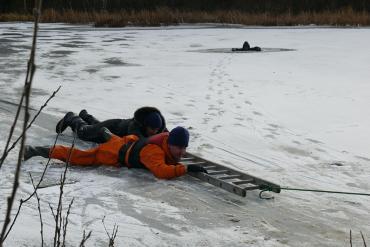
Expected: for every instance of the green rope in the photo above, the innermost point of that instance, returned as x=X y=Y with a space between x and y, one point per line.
x=327 y=191
x=265 y=187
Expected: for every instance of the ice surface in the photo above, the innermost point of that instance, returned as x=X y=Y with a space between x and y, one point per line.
x=286 y=116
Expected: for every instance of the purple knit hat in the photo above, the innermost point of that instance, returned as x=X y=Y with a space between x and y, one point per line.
x=179 y=137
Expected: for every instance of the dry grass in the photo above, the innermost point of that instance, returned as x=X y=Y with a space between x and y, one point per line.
x=166 y=16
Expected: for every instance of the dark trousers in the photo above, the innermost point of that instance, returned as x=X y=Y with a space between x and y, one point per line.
x=94 y=132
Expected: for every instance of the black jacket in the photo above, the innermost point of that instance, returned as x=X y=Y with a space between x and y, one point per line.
x=120 y=127
x=137 y=123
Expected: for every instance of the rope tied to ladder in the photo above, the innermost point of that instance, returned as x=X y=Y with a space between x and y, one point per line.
x=277 y=189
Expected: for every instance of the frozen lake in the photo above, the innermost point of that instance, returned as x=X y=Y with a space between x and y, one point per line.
x=287 y=114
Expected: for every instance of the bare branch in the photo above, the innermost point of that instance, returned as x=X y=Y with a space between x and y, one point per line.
x=350 y=237
x=60 y=206
x=39 y=208
x=66 y=223
x=6 y=150
x=26 y=94
x=363 y=238
x=105 y=228
x=52 y=211
x=114 y=233
x=44 y=171
x=85 y=238
x=5 y=153
x=33 y=193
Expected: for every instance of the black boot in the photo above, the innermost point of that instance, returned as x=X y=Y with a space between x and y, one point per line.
x=31 y=151
x=76 y=123
x=64 y=122
x=94 y=133
x=88 y=118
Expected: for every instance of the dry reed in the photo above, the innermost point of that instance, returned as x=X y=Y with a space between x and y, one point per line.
x=165 y=16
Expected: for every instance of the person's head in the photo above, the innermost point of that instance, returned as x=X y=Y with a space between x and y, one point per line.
x=152 y=123
x=178 y=141
x=246 y=45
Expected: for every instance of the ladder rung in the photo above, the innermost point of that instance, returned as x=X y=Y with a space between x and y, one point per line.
x=253 y=187
x=244 y=181
x=230 y=177
x=227 y=178
x=193 y=163
x=222 y=184
x=218 y=172
x=187 y=159
x=209 y=166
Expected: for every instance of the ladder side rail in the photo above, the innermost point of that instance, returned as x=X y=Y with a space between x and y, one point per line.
x=244 y=176
x=220 y=183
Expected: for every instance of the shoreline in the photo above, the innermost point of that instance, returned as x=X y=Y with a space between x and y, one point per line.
x=164 y=17
x=185 y=26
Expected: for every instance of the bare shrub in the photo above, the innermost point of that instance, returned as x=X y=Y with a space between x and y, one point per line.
x=167 y=16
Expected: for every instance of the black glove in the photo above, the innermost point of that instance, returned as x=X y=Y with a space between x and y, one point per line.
x=196 y=168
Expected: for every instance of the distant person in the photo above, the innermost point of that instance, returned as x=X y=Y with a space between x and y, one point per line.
x=147 y=121
x=247 y=47
x=159 y=153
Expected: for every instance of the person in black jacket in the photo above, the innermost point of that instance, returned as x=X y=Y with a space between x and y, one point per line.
x=247 y=47
x=147 y=121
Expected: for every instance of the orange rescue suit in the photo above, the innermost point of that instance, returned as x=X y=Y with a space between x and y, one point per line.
x=154 y=155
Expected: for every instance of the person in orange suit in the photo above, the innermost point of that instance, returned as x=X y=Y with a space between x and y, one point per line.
x=159 y=153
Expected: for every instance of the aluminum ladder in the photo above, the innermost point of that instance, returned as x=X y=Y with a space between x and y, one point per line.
x=227 y=178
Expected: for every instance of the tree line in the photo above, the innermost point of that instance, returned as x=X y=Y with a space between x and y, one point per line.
x=248 y=6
